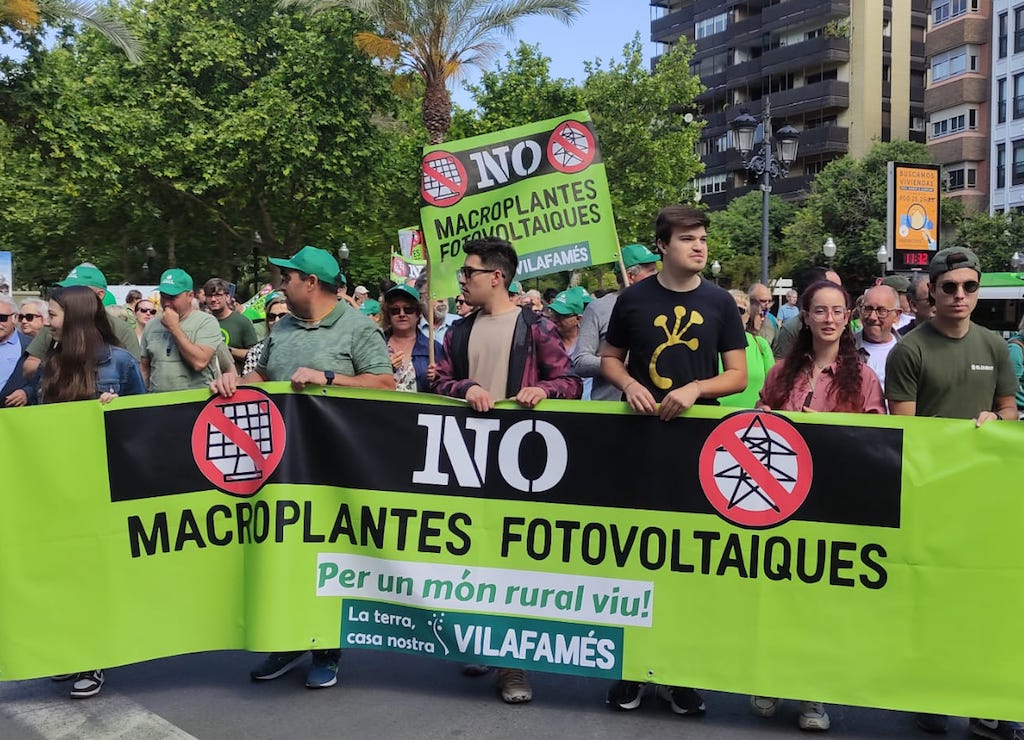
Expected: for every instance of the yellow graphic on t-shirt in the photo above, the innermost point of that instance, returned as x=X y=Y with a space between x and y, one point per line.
x=673 y=338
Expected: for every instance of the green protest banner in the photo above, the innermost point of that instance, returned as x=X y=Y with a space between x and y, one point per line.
x=541 y=186
x=853 y=559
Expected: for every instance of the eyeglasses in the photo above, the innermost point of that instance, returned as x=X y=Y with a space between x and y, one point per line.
x=950 y=287
x=460 y=301
x=822 y=313
x=218 y=294
x=5 y=316
x=29 y=316
x=149 y=311
x=469 y=272
x=882 y=312
x=275 y=316
x=742 y=310
x=397 y=310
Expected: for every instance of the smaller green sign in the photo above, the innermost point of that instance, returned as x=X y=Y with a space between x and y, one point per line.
x=509 y=642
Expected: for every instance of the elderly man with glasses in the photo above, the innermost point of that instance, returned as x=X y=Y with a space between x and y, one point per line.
x=14 y=386
x=879 y=312
x=33 y=316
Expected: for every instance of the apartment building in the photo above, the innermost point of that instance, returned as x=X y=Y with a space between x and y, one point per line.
x=845 y=73
x=1007 y=96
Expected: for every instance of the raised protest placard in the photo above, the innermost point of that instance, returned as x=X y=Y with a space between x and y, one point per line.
x=855 y=559
x=541 y=186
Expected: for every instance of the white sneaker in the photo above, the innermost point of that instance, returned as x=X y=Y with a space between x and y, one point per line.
x=813 y=716
x=764 y=706
x=87 y=684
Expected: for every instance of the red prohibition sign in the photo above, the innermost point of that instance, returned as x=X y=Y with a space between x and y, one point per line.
x=755 y=469
x=571 y=147
x=443 y=180
x=238 y=442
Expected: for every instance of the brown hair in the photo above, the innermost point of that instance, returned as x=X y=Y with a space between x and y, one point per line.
x=70 y=365
x=678 y=216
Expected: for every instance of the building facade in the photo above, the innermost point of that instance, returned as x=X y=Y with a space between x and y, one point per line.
x=1006 y=152
x=845 y=73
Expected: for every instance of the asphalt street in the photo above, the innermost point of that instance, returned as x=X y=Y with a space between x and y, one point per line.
x=383 y=696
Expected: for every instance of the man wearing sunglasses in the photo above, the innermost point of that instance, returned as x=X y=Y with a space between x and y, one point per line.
x=14 y=385
x=32 y=317
x=953 y=368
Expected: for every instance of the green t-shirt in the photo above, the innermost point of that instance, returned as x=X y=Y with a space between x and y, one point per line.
x=168 y=371
x=237 y=331
x=344 y=341
x=759 y=361
x=950 y=378
x=122 y=330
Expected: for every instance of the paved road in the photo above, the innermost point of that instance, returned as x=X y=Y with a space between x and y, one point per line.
x=383 y=697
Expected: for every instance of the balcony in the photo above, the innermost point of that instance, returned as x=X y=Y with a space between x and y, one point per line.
x=824 y=139
x=964 y=88
x=967 y=29
x=969 y=146
x=799 y=12
x=814 y=52
x=821 y=96
x=670 y=27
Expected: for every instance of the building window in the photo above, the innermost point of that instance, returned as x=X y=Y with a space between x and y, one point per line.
x=711 y=26
x=1018 y=29
x=1002 y=35
x=949 y=64
x=828 y=74
x=713 y=145
x=711 y=184
x=1017 y=178
x=1001 y=165
x=961 y=176
x=1001 y=100
x=1018 y=96
x=955 y=124
x=943 y=10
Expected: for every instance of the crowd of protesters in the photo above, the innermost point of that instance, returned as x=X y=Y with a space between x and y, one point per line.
x=666 y=340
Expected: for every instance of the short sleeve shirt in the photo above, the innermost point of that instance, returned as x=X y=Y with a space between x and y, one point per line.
x=674 y=337
x=238 y=331
x=168 y=370
x=345 y=342
x=947 y=377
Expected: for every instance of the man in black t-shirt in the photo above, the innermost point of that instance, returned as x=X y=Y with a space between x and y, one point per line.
x=674 y=327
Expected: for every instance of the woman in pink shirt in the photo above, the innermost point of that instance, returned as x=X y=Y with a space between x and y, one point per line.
x=822 y=372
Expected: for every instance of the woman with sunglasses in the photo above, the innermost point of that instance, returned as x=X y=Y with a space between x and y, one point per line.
x=407 y=346
x=821 y=372
x=86 y=361
x=144 y=310
x=275 y=307
x=759 y=355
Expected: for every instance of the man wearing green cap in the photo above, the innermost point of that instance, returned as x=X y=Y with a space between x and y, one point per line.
x=322 y=341
x=640 y=264
x=177 y=350
x=90 y=276
x=953 y=368
x=565 y=310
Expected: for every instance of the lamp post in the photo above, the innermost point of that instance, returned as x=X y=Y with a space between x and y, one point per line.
x=764 y=162
x=829 y=249
x=147 y=266
x=343 y=255
x=716 y=270
x=882 y=255
x=257 y=242
x=1017 y=262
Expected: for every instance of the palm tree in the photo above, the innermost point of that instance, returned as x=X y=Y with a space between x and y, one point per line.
x=25 y=15
x=437 y=39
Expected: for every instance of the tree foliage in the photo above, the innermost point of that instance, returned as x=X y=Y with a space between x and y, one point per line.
x=734 y=238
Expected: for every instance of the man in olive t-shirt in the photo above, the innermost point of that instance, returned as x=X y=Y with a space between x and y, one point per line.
x=238 y=332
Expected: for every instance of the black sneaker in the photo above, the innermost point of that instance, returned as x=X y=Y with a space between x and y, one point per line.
x=87 y=684
x=276 y=665
x=996 y=729
x=936 y=724
x=682 y=699
x=625 y=695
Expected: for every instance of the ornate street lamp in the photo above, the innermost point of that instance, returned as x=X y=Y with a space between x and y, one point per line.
x=829 y=249
x=716 y=270
x=764 y=162
x=882 y=255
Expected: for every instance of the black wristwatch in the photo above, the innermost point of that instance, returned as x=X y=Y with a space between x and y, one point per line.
x=329 y=376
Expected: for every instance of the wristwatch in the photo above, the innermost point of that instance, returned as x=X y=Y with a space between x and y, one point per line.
x=329 y=376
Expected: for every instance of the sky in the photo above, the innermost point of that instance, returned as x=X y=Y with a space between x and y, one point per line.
x=601 y=32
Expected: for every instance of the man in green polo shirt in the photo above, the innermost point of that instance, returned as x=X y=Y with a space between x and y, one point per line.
x=177 y=350
x=90 y=276
x=323 y=341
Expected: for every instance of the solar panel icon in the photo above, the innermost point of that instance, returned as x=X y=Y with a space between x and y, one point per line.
x=251 y=419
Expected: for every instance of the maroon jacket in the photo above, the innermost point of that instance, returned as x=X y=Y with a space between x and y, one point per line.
x=538 y=359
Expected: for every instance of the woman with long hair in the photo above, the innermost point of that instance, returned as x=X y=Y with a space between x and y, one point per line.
x=821 y=372
x=407 y=346
x=85 y=362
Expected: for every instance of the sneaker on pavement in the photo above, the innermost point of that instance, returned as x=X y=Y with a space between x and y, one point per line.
x=813 y=716
x=764 y=706
x=682 y=699
x=625 y=694
x=87 y=684
x=475 y=669
x=276 y=665
x=514 y=687
x=997 y=729
x=936 y=724
x=323 y=673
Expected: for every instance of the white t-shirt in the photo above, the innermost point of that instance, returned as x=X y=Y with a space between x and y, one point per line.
x=876 y=356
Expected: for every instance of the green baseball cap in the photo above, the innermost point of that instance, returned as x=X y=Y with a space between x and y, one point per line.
x=313 y=261
x=370 y=307
x=515 y=288
x=585 y=297
x=175 y=282
x=403 y=290
x=637 y=254
x=567 y=303
x=87 y=275
x=953 y=258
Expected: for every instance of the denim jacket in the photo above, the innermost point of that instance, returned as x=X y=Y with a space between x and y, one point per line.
x=116 y=372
